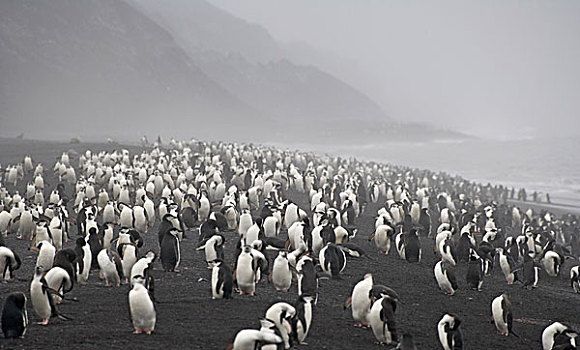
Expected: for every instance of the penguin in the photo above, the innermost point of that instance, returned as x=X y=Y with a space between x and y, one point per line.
x=141 y=308
x=128 y=254
x=143 y=267
x=360 y=300
x=65 y=259
x=42 y=233
x=168 y=222
x=575 y=278
x=246 y=271
x=413 y=247
x=221 y=280
x=214 y=248
x=425 y=222
x=59 y=280
x=170 y=250
x=140 y=221
x=41 y=296
x=447 y=251
x=332 y=260
x=307 y=278
x=301 y=323
x=9 y=262
x=445 y=277
x=207 y=230
x=107 y=234
x=557 y=336
x=501 y=310
x=46 y=252
x=95 y=244
x=246 y=222
x=281 y=275
x=449 y=332
x=110 y=266
x=84 y=260
x=552 y=262
x=400 y=244
x=530 y=272
x=382 y=320
x=252 y=339
x=463 y=247
x=475 y=273
x=506 y=263
x=14 y=316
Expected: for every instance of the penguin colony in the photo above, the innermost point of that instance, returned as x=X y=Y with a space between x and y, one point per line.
x=89 y=227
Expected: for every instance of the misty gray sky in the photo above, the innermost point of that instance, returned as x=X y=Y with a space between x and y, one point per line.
x=467 y=65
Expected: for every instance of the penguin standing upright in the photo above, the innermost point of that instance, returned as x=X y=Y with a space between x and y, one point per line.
x=170 y=250
x=449 y=332
x=413 y=247
x=501 y=310
x=111 y=267
x=143 y=267
x=141 y=307
x=425 y=222
x=128 y=254
x=221 y=280
x=41 y=297
x=46 y=252
x=575 y=278
x=246 y=271
x=301 y=323
x=307 y=278
x=14 y=316
x=84 y=260
x=475 y=272
x=281 y=274
x=506 y=263
x=530 y=272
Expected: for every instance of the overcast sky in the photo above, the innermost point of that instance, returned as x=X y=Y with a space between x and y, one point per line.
x=500 y=66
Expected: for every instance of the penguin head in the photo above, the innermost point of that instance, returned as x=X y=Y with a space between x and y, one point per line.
x=18 y=299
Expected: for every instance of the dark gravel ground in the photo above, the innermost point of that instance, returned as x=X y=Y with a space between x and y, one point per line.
x=187 y=317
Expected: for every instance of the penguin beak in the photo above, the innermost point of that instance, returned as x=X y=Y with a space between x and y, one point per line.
x=372 y=235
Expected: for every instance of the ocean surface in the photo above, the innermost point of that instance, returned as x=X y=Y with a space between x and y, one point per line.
x=543 y=165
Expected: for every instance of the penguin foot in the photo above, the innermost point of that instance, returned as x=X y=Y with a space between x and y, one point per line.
x=361 y=325
x=147 y=331
x=138 y=331
x=44 y=322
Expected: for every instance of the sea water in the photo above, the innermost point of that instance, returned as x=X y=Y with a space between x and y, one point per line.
x=544 y=165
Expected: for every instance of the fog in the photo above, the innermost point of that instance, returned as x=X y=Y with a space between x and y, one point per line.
x=497 y=68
